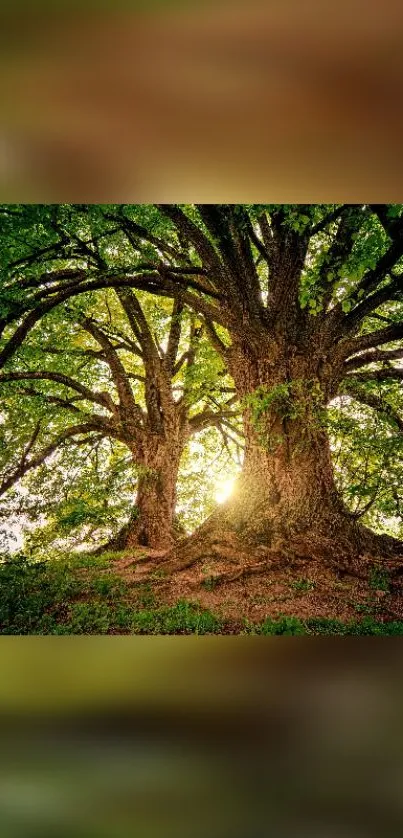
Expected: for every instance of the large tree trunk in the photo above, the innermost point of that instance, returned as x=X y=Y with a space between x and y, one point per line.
x=286 y=498
x=287 y=486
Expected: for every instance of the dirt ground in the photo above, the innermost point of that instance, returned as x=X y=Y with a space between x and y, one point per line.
x=306 y=588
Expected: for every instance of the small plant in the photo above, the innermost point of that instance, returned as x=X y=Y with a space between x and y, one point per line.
x=326 y=626
x=210 y=583
x=145 y=596
x=109 y=584
x=182 y=618
x=158 y=574
x=303 y=586
x=365 y=608
x=284 y=625
x=379 y=580
x=90 y=618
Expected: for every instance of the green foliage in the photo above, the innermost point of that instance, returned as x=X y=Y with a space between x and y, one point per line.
x=327 y=627
x=75 y=595
x=85 y=492
x=379 y=580
x=209 y=583
x=182 y=618
x=33 y=595
x=303 y=586
x=297 y=399
x=364 y=627
x=67 y=595
x=284 y=625
x=367 y=453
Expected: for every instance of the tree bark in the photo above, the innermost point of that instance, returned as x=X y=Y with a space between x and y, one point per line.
x=152 y=522
x=286 y=497
x=153 y=525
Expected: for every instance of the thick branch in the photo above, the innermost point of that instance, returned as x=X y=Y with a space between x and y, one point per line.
x=119 y=375
x=174 y=336
x=383 y=295
x=380 y=337
x=193 y=234
x=132 y=227
x=373 y=357
x=210 y=418
x=361 y=395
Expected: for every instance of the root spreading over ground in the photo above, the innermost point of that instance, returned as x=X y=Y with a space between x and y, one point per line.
x=312 y=575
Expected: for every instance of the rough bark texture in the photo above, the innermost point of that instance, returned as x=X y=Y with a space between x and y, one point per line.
x=285 y=502
x=153 y=523
x=157 y=433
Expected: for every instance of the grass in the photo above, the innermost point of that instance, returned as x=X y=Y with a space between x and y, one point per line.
x=81 y=595
x=303 y=586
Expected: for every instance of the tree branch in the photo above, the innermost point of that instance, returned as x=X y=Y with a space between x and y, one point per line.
x=126 y=399
x=387 y=335
x=174 y=336
x=193 y=234
x=39 y=459
x=373 y=357
x=361 y=395
x=328 y=219
x=47 y=375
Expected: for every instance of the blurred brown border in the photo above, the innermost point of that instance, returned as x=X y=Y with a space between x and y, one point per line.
x=243 y=102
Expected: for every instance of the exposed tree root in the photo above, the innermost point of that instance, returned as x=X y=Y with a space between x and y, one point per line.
x=261 y=567
x=349 y=549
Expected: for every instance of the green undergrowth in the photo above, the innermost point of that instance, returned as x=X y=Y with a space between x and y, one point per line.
x=80 y=594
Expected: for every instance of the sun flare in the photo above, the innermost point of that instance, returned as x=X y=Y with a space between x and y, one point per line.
x=224 y=490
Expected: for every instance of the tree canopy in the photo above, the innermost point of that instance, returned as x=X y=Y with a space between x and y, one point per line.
x=116 y=318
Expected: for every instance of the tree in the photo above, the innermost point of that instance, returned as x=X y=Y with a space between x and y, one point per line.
x=302 y=331
x=304 y=304
x=130 y=368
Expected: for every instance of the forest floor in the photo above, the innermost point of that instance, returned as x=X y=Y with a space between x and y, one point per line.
x=306 y=589
x=130 y=593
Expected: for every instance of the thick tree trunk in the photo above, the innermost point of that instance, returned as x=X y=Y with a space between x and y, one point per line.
x=286 y=498
x=287 y=485
x=152 y=522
